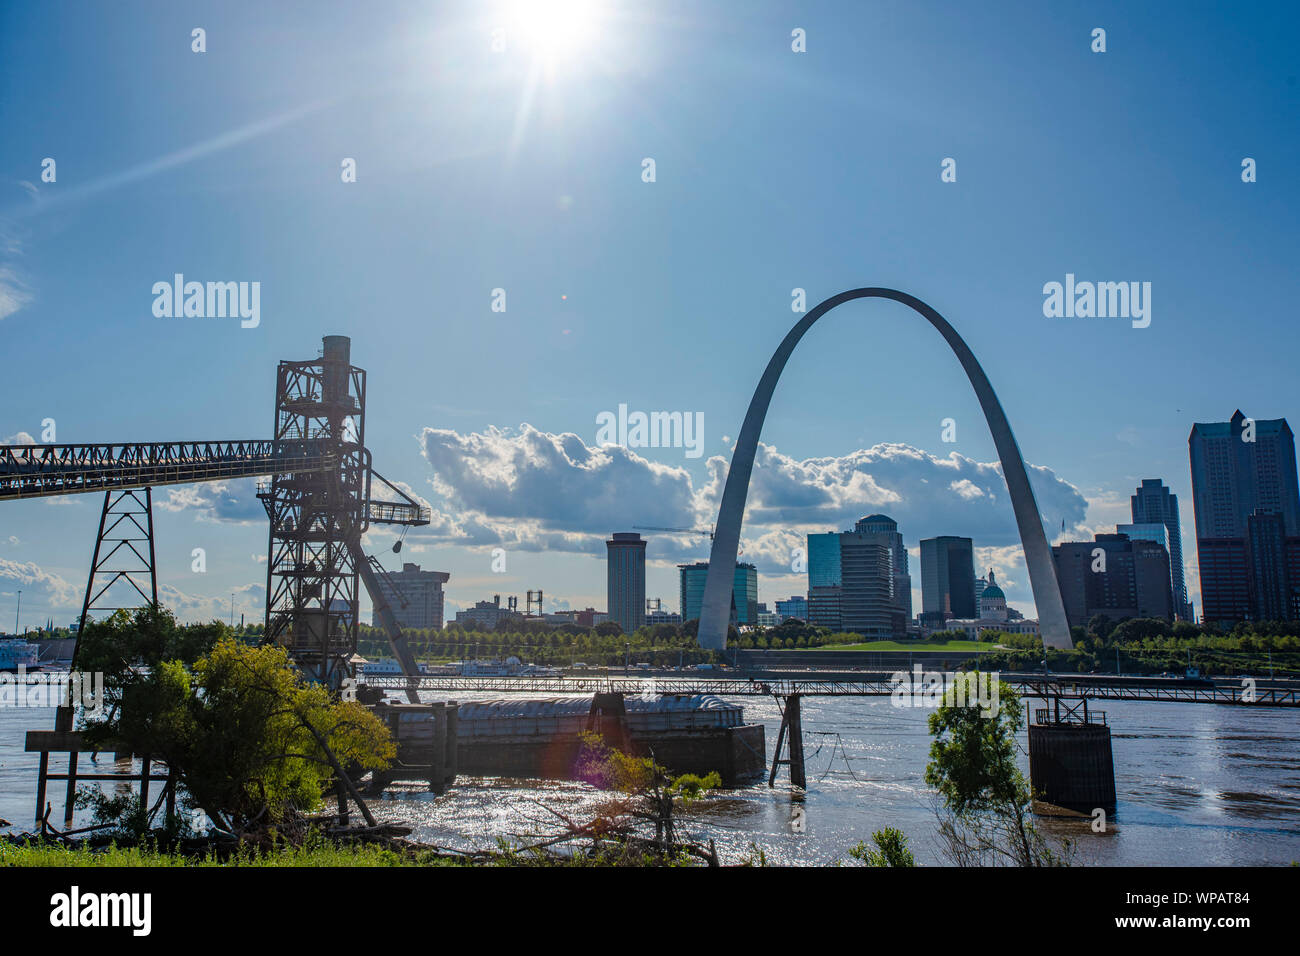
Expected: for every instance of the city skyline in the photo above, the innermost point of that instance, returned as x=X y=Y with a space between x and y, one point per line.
x=460 y=191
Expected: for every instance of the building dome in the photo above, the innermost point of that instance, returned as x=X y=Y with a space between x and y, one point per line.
x=992 y=592
x=876 y=524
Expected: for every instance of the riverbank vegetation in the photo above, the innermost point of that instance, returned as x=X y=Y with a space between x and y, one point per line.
x=1135 y=646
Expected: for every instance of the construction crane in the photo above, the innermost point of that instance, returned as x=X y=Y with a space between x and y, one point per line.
x=702 y=531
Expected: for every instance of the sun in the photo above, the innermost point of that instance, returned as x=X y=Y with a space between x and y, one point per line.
x=554 y=30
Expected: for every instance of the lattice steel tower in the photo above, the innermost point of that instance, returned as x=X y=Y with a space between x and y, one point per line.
x=318 y=517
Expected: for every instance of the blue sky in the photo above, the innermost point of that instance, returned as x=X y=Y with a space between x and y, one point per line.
x=775 y=170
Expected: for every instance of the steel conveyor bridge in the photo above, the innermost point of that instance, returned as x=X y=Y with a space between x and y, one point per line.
x=317 y=492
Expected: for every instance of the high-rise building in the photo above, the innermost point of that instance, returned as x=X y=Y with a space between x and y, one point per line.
x=744 y=594
x=824 y=607
x=625 y=580
x=1153 y=503
x=415 y=597
x=1242 y=471
x=824 y=580
x=866 y=603
x=744 y=591
x=824 y=560
x=902 y=580
x=948 y=577
x=1114 y=575
x=858 y=581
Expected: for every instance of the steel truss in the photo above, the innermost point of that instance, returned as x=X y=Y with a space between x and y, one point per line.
x=126 y=524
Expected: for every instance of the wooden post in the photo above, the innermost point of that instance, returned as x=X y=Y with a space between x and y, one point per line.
x=792 y=715
x=144 y=783
x=792 y=722
x=453 y=740
x=776 y=755
x=72 y=790
x=171 y=794
x=40 y=784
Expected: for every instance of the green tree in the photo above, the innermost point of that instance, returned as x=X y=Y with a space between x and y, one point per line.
x=973 y=766
x=247 y=739
x=890 y=849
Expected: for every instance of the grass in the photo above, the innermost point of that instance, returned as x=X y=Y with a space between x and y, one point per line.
x=35 y=854
x=977 y=647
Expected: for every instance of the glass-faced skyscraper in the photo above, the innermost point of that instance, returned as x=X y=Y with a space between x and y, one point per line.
x=948 y=577
x=1153 y=503
x=1247 y=504
x=744 y=591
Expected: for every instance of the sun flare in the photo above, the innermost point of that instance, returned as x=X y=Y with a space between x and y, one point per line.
x=554 y=29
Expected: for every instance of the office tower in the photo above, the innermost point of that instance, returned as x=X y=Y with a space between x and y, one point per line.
x=1114 y=575
x=824 y=607
x=1242 y=471
x=1153 y=503
x=824 y=580
x=902 y=580
x=744 y=591
x=866 y=599
x=796 y=606
x=625 y=580
x=948 y=578
x=981 y=583
x=1158 y=533
x=415 y=597
x=824 y=560
x=858 y=581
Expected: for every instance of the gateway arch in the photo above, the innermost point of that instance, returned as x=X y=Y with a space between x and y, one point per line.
x=715 y=613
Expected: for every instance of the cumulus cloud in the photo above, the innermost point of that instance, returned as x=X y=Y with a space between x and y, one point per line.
x=39 y=585
x=536 y=490
x=532 y=490
x=233 y=501
x=18 y=438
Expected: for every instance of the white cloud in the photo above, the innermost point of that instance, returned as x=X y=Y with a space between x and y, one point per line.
x=233 y=501
x=39 y=586
x=14 y=294
x=533 y=490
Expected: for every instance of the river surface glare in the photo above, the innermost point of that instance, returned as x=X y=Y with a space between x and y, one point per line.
x=1198 y=784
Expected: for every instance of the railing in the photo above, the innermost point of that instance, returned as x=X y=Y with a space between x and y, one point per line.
x=397 y=512
x=867 y=685
x=31 y=471
x=1071 y=715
